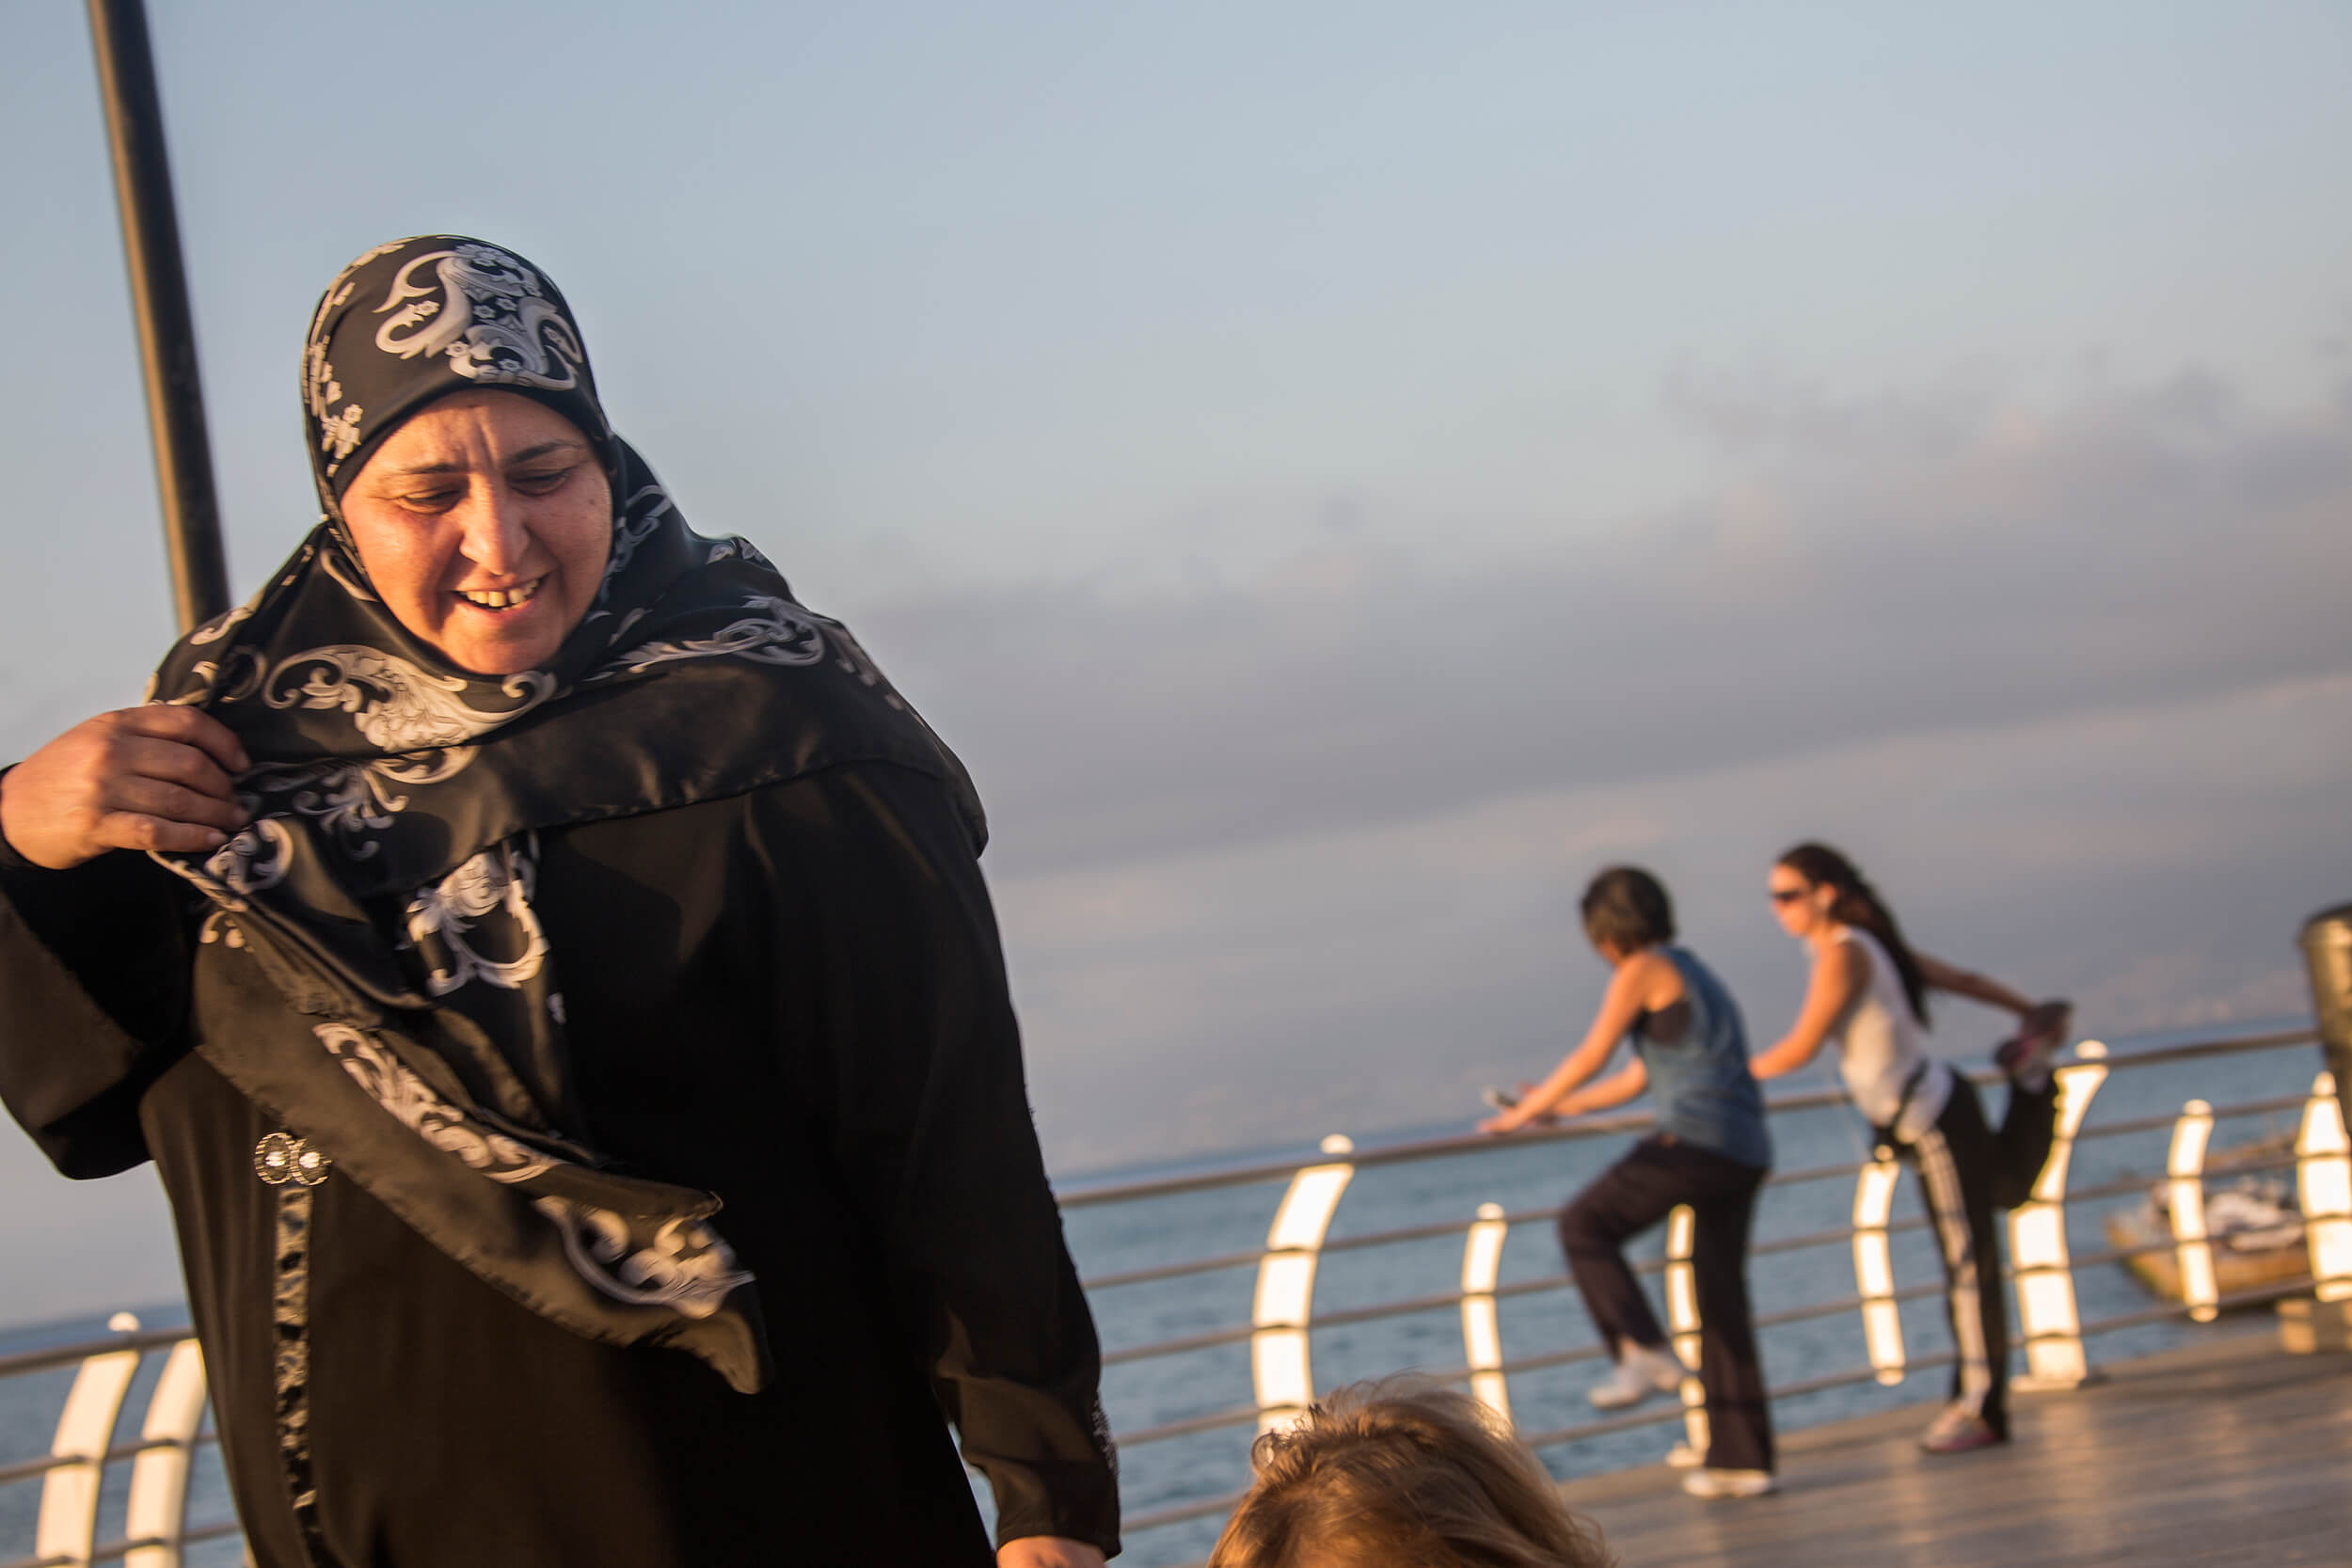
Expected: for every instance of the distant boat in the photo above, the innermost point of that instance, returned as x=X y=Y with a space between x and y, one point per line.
x=2251 y=1219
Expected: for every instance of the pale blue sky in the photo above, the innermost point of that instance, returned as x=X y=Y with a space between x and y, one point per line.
x=1340 y=472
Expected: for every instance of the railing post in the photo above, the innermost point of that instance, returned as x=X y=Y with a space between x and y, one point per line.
x=2185 y=1166
x=2323 y=1179
x=1279 y=1369
x=158 y=1512
x=2044 y=1272
x=2326 y=943
x=1482 y=1327
x=1682 y=1313
x=1874 y=1267
x=67 y=1531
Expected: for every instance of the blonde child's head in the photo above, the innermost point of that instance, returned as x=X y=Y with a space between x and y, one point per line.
x=1399 y=1475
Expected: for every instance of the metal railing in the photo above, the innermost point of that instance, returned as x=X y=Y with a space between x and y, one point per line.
x=73 y=1474
x=1282 y=1315
x=2042 y=1274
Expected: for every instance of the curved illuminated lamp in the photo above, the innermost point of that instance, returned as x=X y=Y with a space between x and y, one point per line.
x=1482 y=1327
x=1279 y=1370
x=2039 y=1266
x=1874 y=1267
x=2323 y=1179
x=66 y=1534
x=2186 y=1167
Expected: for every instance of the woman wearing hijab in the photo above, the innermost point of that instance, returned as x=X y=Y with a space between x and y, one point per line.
x=550 y=971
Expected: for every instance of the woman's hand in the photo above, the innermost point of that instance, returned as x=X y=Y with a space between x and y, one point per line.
x=1047 y=1551
x=2046 y=1020
x=1516 y=1117
x=143 y=778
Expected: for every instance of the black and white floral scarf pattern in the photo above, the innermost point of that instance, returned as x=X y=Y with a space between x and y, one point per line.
x=375 y=922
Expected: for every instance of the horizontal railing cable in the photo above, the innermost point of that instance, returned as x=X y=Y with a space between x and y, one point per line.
x=1236 y=1333
x=1208 y=1340
x=1449 y=1147
x=1176 y=1514
x=26 y=1469
x=2241 y=1046
x=2256 y=1296
x=1431 y=1232
x=1213 y=1420
x=111 y=1551
x=2220 y=1112
x=1455 y=1144
x=81 y=1350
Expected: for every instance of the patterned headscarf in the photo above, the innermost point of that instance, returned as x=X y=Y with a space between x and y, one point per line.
x=372 y=930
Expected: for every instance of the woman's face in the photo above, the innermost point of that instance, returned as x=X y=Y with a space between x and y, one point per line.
x=1801 y=907
x=485 y=521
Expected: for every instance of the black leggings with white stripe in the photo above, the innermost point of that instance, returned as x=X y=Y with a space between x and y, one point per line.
x=1971 y=1175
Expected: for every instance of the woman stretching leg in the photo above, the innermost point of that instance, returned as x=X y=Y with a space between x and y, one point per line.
x=1868 y=994
x=1710 y=1152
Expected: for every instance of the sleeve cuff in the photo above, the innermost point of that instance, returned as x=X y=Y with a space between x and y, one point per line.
x=9 y=859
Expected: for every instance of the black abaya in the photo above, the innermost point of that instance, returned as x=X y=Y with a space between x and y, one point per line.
x=792 y=998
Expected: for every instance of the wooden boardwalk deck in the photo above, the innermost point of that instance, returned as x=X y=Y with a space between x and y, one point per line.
x=2229 y=1451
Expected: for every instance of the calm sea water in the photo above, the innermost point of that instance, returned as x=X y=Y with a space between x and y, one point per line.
x=1117 y=1238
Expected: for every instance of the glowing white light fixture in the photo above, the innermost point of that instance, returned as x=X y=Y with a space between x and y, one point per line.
x=1482 y=1327
x=158 y=1514
x=2185 y=1166
x=1279 y=1369
x=1874 y=1267
x=2042 y=1270
x=66 y=1533
x=2324 y=1189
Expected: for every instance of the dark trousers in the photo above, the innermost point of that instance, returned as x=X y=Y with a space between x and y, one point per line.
x=1970 y=1175
x=1630 y=1196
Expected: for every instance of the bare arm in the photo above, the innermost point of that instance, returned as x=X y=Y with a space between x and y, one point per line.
x=1609 y=1093
x=1976 y=987
x=1047 y=1551
x=1840 y=973
x=1619 y=1006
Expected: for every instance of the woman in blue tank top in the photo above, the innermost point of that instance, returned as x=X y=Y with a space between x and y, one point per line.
x=1710 y=1150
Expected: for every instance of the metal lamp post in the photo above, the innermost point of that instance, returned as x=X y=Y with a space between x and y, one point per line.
x=159 y=297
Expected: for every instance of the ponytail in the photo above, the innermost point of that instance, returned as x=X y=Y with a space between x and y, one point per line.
x=1858 y=905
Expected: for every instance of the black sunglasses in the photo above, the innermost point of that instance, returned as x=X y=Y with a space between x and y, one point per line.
x=1786 y=894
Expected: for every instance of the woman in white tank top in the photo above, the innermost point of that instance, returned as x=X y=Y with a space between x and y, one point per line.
x=1880 y=1049
x=1868 y=995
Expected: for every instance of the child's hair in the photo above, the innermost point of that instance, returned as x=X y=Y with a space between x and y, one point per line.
x=1627 y=907
x=1401 y=1475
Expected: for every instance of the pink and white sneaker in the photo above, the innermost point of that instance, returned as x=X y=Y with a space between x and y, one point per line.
x=1957 y=1429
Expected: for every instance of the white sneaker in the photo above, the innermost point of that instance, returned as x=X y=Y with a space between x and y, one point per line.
x=1639 y=1373
x=1730 y=1483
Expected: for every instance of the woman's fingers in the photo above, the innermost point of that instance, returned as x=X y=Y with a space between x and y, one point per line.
x=178 y=763
x=129 y=829
x=188 y=727
x=146 y=796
